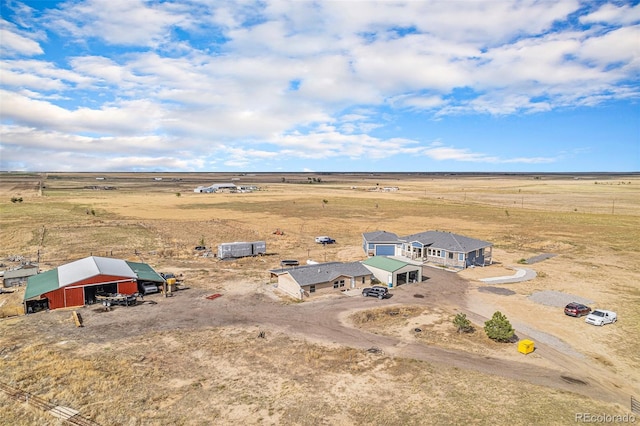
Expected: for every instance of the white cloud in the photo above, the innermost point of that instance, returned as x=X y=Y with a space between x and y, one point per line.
x=612 y=14
x=129 y=117
x=119 y=22
x=443 y=153
x=15 y=44
x=305 y=80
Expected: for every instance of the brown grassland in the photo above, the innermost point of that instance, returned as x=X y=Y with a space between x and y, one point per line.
x=187 y=360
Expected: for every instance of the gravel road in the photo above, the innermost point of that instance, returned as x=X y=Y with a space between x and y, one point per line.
x=557 y=298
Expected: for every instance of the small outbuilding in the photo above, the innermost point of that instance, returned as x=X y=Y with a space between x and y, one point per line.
x=19 y=276
x=393 y=272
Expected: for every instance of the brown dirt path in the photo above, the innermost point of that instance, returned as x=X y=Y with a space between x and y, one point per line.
x=322 y=320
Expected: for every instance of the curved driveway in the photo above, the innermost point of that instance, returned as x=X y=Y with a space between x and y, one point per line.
x=321 y=320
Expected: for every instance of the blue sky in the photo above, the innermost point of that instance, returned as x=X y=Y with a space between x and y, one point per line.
x=293 y=86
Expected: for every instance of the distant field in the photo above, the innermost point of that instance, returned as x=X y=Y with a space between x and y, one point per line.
x=591 y=222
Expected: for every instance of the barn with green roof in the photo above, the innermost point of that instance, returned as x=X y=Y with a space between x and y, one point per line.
x=77 y=283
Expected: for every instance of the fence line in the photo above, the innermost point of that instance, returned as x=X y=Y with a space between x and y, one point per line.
x=66 y=414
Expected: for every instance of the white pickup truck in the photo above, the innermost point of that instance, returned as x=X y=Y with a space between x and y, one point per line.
x=601 y=317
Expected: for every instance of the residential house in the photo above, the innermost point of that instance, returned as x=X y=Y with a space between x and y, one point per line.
x=447 y=249
x=321 y=278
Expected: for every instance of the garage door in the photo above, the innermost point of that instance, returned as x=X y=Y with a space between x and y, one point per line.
x=385 y=250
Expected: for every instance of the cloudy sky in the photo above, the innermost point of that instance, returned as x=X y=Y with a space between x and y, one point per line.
x=416 y=86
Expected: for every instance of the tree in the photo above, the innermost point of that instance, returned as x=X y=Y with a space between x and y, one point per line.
x=499 y=328
x=462 y=323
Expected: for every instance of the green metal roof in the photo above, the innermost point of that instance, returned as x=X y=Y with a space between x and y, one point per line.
x=385 y=263
x=50 y=280
x=145 y=272
x=41 y=283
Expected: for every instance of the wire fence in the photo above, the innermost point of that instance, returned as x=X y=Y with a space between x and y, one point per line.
x=65 y=414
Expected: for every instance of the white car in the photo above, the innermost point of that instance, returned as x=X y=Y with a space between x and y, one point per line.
x=325 y=240
x=601 y=317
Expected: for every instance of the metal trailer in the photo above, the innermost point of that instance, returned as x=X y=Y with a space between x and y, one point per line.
x=241 y=249
x=118 y=299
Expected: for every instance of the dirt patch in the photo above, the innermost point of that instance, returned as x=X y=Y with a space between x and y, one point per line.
x=573 y=380
x=539 y=258
x=496 y=290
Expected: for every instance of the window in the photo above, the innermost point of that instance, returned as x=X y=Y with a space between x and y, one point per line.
x=363 y=280
x=312 y=289
x=341 y=283
x=461 y=257
x=451 y=255
x=335 y=284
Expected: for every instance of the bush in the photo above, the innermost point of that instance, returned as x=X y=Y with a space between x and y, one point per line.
x=499 y=328
x=462 y=323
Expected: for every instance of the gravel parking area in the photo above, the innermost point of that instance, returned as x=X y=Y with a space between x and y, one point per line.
x=557 y=298
x=497 y=290
x=539 y=258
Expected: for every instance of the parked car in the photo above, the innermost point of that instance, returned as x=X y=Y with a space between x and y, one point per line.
x=325 y=240
x=376 y=291
x=601 y=317
x=575 y=309
x=149 y=288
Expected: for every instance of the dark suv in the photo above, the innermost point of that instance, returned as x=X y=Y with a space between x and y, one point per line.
x=376 y=291
x=574 y=309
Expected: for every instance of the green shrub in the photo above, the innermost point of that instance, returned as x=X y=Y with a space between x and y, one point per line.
x=499 y=328
x=462 y=324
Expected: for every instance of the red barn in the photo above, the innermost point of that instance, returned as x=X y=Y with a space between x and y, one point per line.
x=77 y=283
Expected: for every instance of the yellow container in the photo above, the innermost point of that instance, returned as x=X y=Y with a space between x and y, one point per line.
x=526 y=346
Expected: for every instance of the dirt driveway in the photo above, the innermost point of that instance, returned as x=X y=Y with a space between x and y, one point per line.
x=323 y=320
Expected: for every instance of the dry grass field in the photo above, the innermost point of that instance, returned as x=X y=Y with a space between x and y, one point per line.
x=186 y=360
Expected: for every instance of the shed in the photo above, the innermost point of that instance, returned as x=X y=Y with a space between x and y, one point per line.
x=77 y=283
x=393 y=272
x=19 y=276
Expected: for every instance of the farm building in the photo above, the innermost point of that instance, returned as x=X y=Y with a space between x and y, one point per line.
x=447 y=249
x=77 y=283
x=241 y=249
x=321 y=278
x=19 y=276
x=217 y=187
x=393 y=272
x=381 y=243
